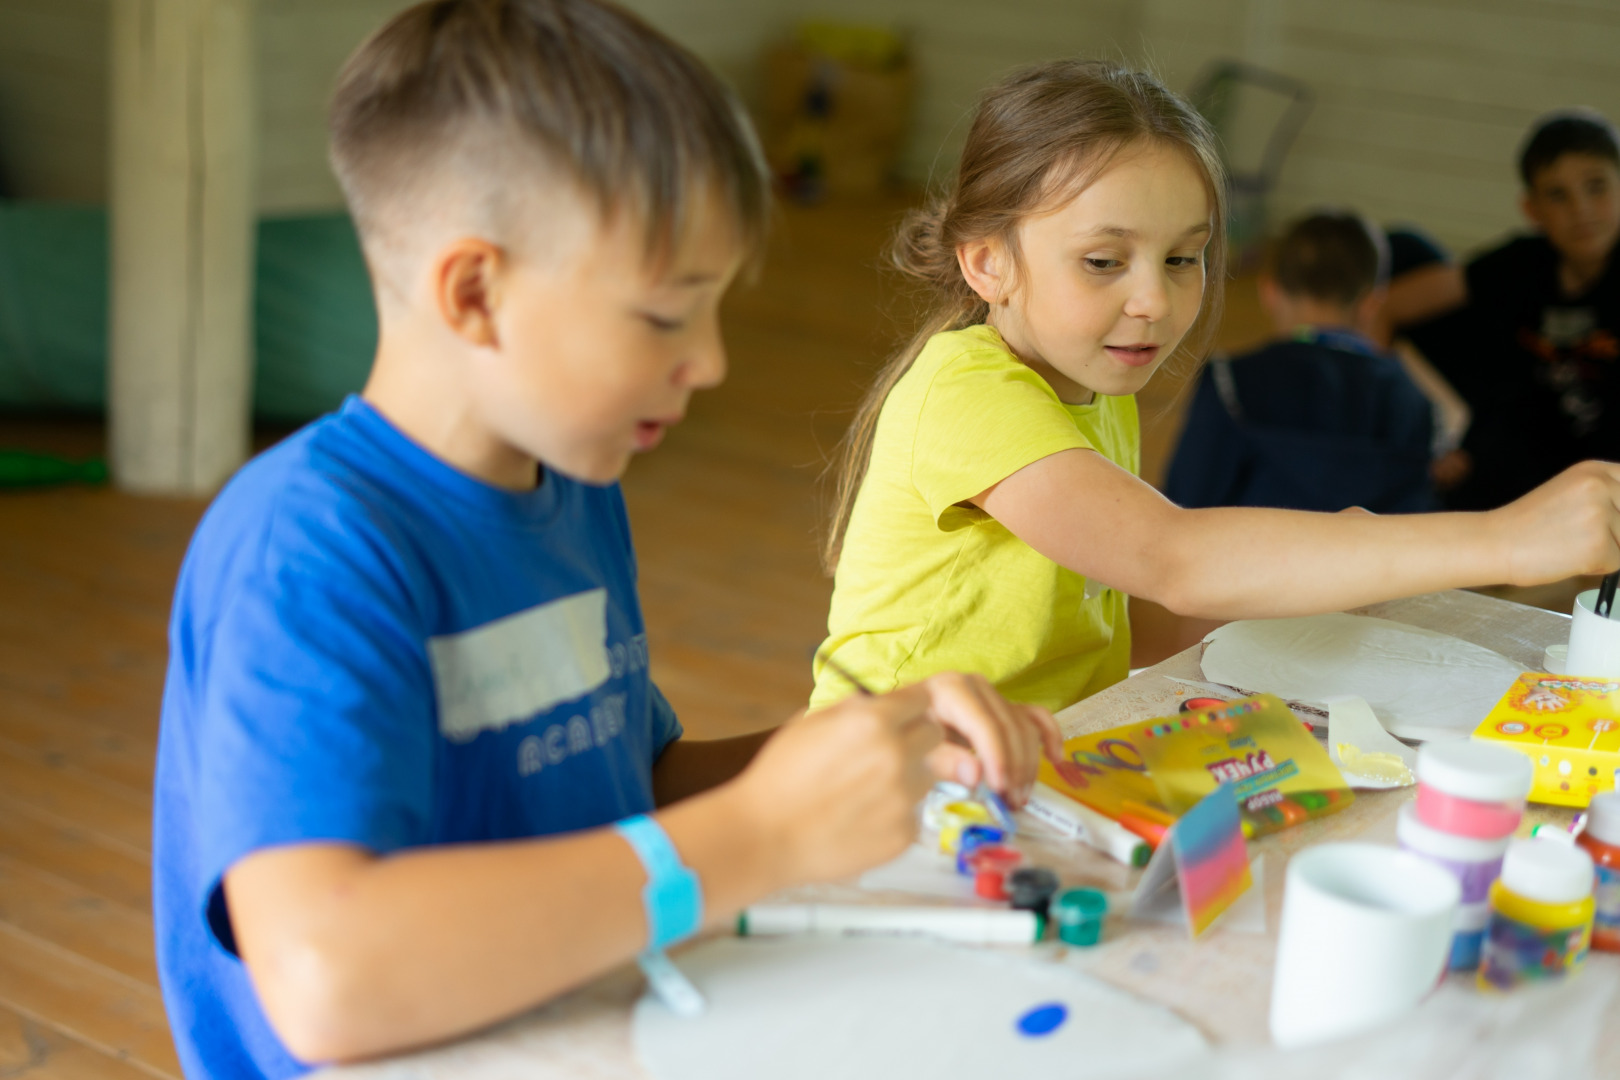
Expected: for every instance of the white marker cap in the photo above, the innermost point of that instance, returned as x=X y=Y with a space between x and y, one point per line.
x=1548 y=872
x=1477 y=771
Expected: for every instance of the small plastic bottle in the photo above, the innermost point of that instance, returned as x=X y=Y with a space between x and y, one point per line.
x=1602 y=841
x=1541 y=915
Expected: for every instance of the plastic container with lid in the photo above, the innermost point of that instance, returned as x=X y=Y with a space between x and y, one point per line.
x=1541 y=915
x=1474 y=863
x=1602 y=841
x=1472 y=789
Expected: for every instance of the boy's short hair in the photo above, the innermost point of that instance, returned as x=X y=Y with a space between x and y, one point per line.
x=488 y=100
x=1567 y=131
x=1337 y=256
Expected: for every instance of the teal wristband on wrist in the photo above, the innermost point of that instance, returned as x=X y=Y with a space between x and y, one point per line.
x=672 y=897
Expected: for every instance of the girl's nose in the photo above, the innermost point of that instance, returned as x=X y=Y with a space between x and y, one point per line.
x=705 y=365
x=1149 y=299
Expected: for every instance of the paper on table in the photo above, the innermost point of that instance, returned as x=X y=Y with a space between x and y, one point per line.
x=1351 y=723
x=1420 y=684
x=859 y=1008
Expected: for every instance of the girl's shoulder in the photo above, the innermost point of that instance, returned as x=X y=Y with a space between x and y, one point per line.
x=973 y=355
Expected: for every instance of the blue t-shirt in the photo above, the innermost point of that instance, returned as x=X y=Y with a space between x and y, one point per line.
x=370 y=646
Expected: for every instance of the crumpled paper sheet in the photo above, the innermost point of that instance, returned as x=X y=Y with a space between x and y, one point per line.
x=1420 y=684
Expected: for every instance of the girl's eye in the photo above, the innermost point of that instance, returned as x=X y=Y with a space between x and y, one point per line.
x=662 y=323
x=1103 y=264
x=1184 y=261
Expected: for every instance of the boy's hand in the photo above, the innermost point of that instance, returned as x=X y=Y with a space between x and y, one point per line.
x=835 y=792
x=1570 y=525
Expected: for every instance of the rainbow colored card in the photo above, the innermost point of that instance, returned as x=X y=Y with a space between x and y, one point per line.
x=1211 y=858
x=1202 y=871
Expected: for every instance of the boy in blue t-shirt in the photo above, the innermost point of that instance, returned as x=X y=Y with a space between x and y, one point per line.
x=1322 y=418
x=406 y=642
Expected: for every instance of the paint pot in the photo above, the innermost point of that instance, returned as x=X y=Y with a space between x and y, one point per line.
x=956 y=816
x=1079 y=914
x=1594 y=641
x=940 y=796
x=1541 y=915
x=1474 y=863
x=1366 y=933
x=975 y=837
x=1602 y=841
x=991 y=864
x=1031 y=888
x=1472 y=789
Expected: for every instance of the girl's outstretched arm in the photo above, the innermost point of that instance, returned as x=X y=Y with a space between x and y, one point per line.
x=1086 y=513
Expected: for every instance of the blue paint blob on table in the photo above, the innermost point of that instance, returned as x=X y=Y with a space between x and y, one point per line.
x=1043 y=1019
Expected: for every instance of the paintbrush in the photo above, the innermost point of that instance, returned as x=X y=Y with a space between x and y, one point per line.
x=992 y=801
x=1605 y=596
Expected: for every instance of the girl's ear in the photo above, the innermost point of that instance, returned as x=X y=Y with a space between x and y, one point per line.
x=986 y=267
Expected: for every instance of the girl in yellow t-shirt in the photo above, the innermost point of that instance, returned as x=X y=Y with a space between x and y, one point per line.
x=989 y=518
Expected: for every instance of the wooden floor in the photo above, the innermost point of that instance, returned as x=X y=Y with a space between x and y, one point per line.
x=725 y=515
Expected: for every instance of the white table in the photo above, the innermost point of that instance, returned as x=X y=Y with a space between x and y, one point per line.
x=1221 y=983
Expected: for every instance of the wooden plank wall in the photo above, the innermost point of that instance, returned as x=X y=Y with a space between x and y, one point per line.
x=1422 y=104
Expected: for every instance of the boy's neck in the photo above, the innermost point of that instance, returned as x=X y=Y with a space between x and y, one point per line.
x=417 y=394
x=1576 y=276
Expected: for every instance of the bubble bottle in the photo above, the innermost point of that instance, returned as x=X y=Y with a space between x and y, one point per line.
x=1602 y=841
x=1541 y=915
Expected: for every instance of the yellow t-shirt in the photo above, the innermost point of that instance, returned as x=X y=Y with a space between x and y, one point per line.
x=928 y=582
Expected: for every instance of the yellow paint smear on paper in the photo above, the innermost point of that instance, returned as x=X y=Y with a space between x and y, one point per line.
x=1375 y=766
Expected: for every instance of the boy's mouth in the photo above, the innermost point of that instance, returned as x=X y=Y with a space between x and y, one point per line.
x=1134 y=355
x=649 y=433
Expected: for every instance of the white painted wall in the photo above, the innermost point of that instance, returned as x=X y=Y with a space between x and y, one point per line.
x=1421 y=102
x=53 y=98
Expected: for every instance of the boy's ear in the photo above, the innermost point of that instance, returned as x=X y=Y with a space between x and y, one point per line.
x=1531 y=209
x=466 y=285
x=985 y=267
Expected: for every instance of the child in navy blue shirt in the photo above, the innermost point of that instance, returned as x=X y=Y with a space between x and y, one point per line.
x=1536 y=351
x=1323 y=418
x=413 y=777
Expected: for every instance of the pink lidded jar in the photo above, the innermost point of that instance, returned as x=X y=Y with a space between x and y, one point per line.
x=1471 y=789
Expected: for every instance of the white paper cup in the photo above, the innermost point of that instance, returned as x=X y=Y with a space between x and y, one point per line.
x=1594 y=643
x=1366 y=933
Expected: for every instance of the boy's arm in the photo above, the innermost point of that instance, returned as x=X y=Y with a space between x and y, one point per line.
x=688 y=767
x=354 y=954
x=1084 y=512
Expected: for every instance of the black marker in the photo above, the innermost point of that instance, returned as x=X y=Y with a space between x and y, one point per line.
x=1605 y=596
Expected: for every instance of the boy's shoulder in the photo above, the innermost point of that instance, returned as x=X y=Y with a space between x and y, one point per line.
x=1306 y=363
x=1508 y=267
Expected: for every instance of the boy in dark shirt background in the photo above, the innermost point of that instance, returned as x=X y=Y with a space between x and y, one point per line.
x=1323 y=418
x=1534 y=351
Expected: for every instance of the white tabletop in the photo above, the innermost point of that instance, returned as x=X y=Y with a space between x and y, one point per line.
x=1221 y=983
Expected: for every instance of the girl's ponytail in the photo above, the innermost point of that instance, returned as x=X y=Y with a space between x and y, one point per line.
x=1037 y=139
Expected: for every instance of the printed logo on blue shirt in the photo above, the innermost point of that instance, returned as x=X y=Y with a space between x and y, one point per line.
x=507 y=671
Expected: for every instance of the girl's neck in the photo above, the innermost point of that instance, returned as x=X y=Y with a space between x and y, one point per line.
x=1005 y=323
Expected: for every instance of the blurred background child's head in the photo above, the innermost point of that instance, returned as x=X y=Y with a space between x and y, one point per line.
x=1329 y=269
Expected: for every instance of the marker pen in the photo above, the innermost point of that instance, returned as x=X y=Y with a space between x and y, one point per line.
x=976 y=926
x=1099 y=830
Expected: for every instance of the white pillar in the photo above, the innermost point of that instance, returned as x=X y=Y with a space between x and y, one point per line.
x=182 y=201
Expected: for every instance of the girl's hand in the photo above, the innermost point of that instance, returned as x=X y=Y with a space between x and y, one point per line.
x=1570 y=525
x=835 y=792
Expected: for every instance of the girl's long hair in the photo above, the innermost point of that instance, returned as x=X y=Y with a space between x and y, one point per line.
x=1037 y=139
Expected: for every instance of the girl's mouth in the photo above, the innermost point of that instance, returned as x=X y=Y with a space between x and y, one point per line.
x=1134 y=355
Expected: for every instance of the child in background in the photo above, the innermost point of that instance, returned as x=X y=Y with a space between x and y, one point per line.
x=410 y=753
x=1323 y=418
x=989 y=517
x=1536 y=352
